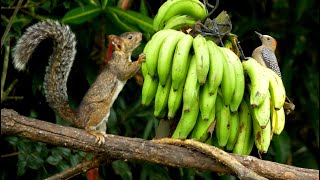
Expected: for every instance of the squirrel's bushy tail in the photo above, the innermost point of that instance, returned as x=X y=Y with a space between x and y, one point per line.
x=60 y=62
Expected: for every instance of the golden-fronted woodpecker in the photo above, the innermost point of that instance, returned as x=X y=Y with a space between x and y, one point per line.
x=265 y=55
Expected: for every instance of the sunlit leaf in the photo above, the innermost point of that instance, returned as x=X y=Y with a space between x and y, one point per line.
x=82 y=14
x=144 y=22
x=104 y=4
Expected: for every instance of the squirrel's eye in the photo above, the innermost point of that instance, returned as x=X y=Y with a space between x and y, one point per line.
x=130 y=36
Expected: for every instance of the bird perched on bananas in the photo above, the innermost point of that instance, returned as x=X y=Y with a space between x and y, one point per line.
x=265 y=55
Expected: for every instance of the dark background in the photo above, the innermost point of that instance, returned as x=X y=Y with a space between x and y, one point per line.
x=292 y=23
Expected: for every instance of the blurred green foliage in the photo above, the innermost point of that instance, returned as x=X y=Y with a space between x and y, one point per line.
x=290 y=22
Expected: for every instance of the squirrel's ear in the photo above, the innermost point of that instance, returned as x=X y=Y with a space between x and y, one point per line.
x=115 y=41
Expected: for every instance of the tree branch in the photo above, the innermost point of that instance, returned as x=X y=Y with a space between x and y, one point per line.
x=135 y=149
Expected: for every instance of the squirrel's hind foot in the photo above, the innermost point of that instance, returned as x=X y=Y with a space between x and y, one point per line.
x=100 y=137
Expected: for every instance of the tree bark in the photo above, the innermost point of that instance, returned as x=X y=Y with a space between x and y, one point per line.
x=136 y=149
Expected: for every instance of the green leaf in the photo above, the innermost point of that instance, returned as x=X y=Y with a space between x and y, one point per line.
x=144 y=22
x=121 y=168
x=54 y=159
x=143 y=8
x=148 y=129
x=82 y=14
x=120 y=23
x=104 y=4
x=282 y=145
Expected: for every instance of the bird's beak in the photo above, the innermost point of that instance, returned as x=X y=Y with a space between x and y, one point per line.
x=259 y=35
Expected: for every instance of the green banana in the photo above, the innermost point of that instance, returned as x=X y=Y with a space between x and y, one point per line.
x=202 y=56
x=259 y=81
x=171 y=8
x=262 y=136
x=191 y=87
x=222 y=127
x=165 y=55
x=161 y=99
x=250 y=144
x=276 y=89
x=181 y=61
x=207 y=101
x=216 y=67
x=201 y=129
x=234 y=130
x=245 y=129
x=262 y=112
x=144 y=69
x=239 y=78
x=228 y=83
x=278 y=120
x=187 y=121
x=180 y=22
x=175 y=98
x=149 y=89
x=152 y=50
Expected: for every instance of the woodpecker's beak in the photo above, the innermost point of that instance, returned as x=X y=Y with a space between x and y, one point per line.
x=259 y=35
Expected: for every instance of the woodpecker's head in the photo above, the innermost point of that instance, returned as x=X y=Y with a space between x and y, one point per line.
x=267 y=41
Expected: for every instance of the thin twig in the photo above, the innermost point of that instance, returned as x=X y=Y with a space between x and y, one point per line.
x=4 y=36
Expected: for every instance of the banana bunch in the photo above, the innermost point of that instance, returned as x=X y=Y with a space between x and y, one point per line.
x=181 y=68
x=266 y=97
x=177 y=14
x=207 y=87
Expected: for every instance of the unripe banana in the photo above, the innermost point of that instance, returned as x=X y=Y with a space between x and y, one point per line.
x=228 y=83
x=175 y=98
x=239 y=78
x=207 y=101
x=245 y=129
x=222 y=127
x=180 y=22
x=181 y=61
x=259 y=81
x=193 y=8
x=262 y=112
x=276 y=89
x=202 y=56
x=152 y=50
x=161 y=11
x=191 y=87
x=149 y=89
x=144 y=68
x=262 y=136
x=216 y=66
x=234 y=130
x=250 y=145
x=187 y=121
x=278 y=120
x=200 y=131
x=165 y=56
x=161 y=99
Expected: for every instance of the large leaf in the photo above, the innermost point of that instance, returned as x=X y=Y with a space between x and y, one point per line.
x=144 y=22
x=82 y=14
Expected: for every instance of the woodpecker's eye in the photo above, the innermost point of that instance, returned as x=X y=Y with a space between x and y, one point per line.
x=130 y=36
x=268 y=38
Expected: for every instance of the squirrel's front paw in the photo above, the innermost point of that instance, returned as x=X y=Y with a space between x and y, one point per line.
x=142 y=57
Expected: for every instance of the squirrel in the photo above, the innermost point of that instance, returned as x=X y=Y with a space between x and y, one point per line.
x=94 y=109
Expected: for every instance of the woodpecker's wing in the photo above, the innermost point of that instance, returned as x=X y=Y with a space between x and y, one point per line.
x=270 y=60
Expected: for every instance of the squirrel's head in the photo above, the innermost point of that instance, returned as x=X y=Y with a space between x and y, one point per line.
x=126 y=42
